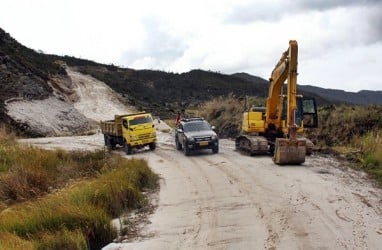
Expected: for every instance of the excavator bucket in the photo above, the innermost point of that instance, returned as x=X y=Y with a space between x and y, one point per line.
x=288 y=151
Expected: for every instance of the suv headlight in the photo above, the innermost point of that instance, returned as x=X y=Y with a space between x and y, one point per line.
x=190 y=139
x=214 y=137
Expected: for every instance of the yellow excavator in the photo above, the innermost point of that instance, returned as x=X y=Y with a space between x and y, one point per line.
x=277 y=128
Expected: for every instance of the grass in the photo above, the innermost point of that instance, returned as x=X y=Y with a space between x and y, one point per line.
x=63 y=239
x=63 y=200
x=225 y=114
x=370 y=153
x=353 y=131
x=10 y=241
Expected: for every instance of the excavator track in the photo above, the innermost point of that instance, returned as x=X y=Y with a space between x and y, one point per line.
x=252 y=144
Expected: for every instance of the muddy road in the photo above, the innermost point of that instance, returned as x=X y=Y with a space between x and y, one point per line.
x=234 y=201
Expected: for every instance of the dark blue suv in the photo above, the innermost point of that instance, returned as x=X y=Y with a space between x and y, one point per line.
x=194 y=134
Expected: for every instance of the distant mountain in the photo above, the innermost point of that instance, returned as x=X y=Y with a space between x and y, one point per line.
x=362 y=97
x=321 y=100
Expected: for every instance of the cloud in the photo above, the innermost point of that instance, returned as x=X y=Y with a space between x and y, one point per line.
x=330 y=4
x=157 y=49
x=227 y=36
x=351 y=68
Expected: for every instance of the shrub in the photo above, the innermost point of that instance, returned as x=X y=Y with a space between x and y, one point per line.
x=225 y=114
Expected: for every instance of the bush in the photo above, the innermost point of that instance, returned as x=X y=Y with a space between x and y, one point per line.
x=225 y=114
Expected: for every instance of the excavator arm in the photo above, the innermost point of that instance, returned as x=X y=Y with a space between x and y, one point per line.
x=290 y=150
x=285 y=69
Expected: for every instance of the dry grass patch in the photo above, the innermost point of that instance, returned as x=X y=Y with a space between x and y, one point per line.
x=77 y=217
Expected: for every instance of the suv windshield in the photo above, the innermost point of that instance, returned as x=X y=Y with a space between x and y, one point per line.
x=196 y=126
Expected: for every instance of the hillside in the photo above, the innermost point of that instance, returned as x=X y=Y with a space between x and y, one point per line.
x=28 y=75
x=35 y=82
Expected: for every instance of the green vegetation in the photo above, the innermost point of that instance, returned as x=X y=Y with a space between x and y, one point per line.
x=353 y=131
x=339 y=125
x=63 y=200
x=225 y=113
x=164 y=93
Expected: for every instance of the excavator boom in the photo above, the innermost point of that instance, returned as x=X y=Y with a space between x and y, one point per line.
x=289 y=150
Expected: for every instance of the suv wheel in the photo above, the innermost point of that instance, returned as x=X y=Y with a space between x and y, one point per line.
x=178 y=145
x=186 y=150
x=215 y=149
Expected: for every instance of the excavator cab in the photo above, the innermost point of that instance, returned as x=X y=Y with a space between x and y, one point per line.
x=305 y=114
x=309 y=111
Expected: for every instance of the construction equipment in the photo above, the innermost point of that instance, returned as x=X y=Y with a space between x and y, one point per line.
x=130 y=131
x=277 y=128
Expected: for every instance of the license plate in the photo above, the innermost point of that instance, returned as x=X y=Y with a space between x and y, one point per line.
x=203 y=143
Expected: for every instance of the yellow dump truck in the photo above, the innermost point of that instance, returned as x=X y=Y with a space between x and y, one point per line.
x=130 y=131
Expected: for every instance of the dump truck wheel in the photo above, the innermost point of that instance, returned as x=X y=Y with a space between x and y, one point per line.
x=128 y=149
x=152 y=146
x=112 y=145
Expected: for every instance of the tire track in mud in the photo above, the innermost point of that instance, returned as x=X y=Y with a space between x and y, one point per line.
x=208 y=210
x=215 y=205
x=204 y=232
x=217 y=175
x=301 y=202
x=195 y=230
x=249 y=187
x=280 y=219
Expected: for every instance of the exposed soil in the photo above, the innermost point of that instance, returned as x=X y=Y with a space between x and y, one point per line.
x=233 y=201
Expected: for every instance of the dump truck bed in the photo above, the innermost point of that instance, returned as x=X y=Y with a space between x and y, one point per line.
x=112 y=127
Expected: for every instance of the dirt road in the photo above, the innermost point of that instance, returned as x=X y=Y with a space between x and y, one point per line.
x=233 y=201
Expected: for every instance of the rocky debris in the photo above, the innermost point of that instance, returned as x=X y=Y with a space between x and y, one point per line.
x=48 y=117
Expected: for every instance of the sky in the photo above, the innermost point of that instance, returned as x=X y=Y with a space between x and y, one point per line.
x=340 y=41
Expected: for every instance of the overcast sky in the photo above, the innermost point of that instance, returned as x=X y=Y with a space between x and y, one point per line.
x=340 y=41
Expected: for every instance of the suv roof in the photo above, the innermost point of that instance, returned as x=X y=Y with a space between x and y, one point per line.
x=192 y=119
